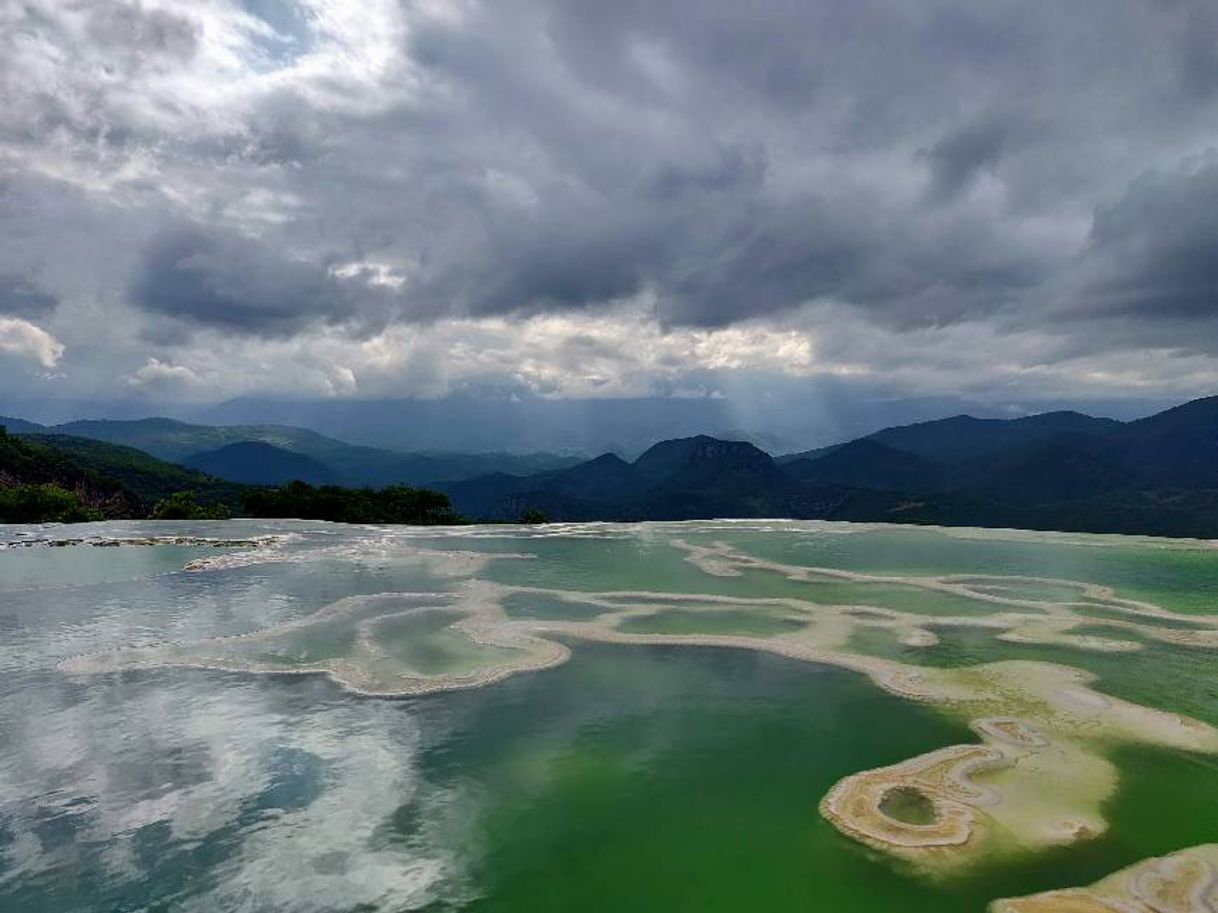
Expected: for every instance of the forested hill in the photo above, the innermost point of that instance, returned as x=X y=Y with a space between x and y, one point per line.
x=39 y=483
x=61 y=478
x=148 y=478
x=274 y=454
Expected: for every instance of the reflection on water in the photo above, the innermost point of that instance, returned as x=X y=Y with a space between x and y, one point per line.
x=643 y=778
x=207 y=794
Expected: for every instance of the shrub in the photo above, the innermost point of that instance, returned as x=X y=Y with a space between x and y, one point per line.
x=395 y=504
x=44 y=504
x=184 y=505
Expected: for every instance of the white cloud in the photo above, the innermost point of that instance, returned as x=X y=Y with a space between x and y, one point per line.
x=626 y=352
x=24 y=339
x=161 y=375
x=619 y=354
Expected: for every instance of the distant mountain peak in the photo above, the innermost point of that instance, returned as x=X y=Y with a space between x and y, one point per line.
x=20 y=425
x=153 y=423
x=259 y=463
x=700 y=446
x=606 y=459
x=669 y=458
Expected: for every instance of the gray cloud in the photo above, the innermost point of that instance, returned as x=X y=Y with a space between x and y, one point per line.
x=957 y=158
x=1157 y=249
x=19 y=297
x=1199 y=58
x=339 y=168
x=140 y=33
x=242 y=285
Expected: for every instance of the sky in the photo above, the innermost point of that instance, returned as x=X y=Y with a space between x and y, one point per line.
x=996 y=202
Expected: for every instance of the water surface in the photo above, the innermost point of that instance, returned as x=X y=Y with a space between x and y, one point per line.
x=631 y=777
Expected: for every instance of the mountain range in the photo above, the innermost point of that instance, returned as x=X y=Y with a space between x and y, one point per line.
x=287 y=453
x=467 y=424
x=1060 y=470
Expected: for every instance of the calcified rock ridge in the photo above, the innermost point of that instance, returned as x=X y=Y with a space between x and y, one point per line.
x=1184 y=882
x=1037 y=777
x=121 y=541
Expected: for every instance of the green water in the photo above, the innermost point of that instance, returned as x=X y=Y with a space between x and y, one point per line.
x=1031 y=590
x=1174 y=575
x=684 y=621
x=1103 y=612
x=631 y=778
x=1178 y=679
x=693 y=785
x=1108 y=632
x=1177 y=577
x=425 y=644
x=908 y=805
x=543 y=605
x=593 y=566
x=916 y=600
x=690 y=783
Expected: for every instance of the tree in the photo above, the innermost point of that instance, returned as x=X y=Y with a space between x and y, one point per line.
x=394 y=504
x=184 y=505
x=44 y=504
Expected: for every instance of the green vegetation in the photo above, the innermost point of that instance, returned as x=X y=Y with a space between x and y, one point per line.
x=303 y=454
x=532 y=517
x=44 y=504
x=168 y=439
x=184 y=505
x=36 y=480
x=61 y=478
x=151 y=479
x=395 y=504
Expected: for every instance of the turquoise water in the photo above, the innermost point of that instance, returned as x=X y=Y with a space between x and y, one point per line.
x=640 y=778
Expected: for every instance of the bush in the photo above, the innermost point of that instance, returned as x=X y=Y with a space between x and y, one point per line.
x=44 y=504
x=533 y=516
x=395 y=504
x=184 y=505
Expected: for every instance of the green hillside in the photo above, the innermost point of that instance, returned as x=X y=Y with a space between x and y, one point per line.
x=149 y=478
x=39 y=483
x=62 y=478
x=172 y=440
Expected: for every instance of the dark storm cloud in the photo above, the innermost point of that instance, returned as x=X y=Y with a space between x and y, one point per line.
x=1024 y=168
x=240 y=285
x=718 y=252
x=1199 y=57
x=1158 y=248
x=960 y=156
x=19 y=297
x=700 y=210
